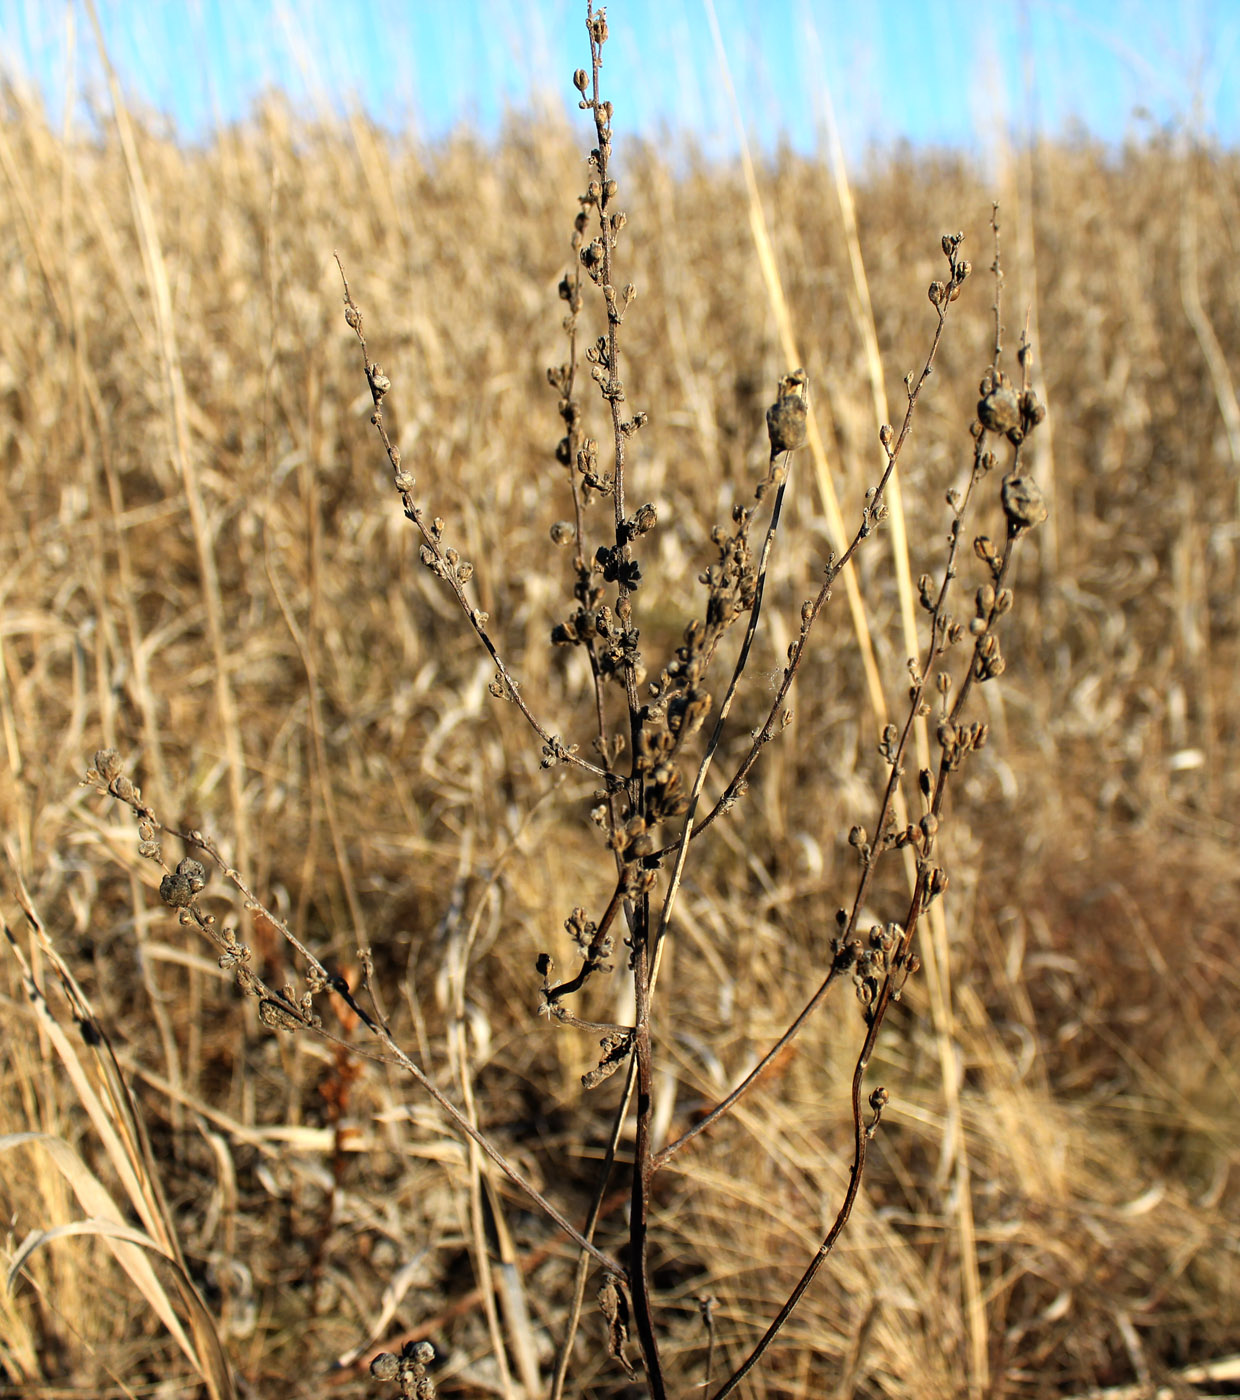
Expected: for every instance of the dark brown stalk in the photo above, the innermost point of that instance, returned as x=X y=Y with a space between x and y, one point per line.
x=766 y=733
x=611 y=386
x=900 y=960
x=643 y=1166
x=861 y=1137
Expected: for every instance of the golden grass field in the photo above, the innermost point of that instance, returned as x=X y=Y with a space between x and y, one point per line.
x=205 y=567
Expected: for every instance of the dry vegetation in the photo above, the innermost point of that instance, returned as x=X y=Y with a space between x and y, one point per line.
x=218 y=582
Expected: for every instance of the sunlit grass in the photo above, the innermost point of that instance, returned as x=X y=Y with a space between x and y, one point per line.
x=1090 y=918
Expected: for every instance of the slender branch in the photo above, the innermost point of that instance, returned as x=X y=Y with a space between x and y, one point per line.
x=726 y=1105
x=862 y=1134
x=592 y=1219
x=742 y=660
x=180 y=890
x=1024 y=509
x=892 y=446
x=443 y=561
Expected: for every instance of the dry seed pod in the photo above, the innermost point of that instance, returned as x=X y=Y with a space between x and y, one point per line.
x=999 y=410
x=1023 y=504
x=786 y=417
x=176 y=891
x=108 y=764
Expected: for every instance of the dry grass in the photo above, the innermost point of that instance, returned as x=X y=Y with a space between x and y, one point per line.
x=385 y=797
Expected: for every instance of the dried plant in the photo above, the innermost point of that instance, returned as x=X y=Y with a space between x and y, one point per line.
x=660 y=722
x=652 y=766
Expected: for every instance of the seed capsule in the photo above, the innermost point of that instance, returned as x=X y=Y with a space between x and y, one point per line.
x=786 y=418
x=999 y=410
x=1023 y=504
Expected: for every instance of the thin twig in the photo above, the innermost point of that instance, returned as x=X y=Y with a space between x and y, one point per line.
x=284 y=1014
x=441 y=559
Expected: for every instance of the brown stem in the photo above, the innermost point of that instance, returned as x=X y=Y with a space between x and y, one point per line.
x=643 y=1165
x=726 y=1105
x=832 y=572
x=861 y=1138
x=292 y=1018
x=512 y=690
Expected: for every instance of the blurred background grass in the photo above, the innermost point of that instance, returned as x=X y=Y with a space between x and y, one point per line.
x=320 y=712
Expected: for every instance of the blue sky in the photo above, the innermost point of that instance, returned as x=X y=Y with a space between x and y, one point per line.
x=925 y=71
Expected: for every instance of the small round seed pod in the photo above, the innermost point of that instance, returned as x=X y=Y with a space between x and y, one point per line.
x=195 y=872
x=645 y=519
x=999 y=410
x=1023 y=504
x=1032 y=408
x=176 y=891
x=385 y=1366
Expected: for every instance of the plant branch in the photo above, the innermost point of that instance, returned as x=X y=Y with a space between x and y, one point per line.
x=180 y=890
x=443 y=561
